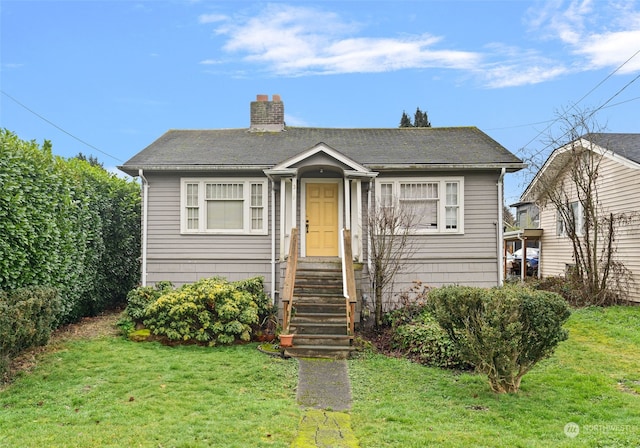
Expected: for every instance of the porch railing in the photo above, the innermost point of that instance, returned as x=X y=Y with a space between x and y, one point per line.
x=348 y=279
x=289 y=280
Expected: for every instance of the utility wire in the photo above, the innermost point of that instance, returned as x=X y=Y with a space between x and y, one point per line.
x=58 y=127
x=580 y=100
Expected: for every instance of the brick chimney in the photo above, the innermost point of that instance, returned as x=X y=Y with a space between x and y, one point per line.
x=267 y=116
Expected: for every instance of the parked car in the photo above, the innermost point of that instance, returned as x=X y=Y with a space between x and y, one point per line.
x=514 y=262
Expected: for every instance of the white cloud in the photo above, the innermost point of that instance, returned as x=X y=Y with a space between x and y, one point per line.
x=612 y=50
x=210 y=62
x=605 y=34
x=299 y=40
x=212 y=18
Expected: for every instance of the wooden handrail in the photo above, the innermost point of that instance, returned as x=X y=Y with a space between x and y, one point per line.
x=289 y=280
x=348 y=279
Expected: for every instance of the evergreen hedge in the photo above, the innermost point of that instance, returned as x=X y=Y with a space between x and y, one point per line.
x=66 y=224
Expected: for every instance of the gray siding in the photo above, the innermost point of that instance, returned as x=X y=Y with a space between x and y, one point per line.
x=187 y=258
x=438 y=259
x=468 y=259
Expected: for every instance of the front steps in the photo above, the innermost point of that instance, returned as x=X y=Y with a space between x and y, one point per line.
x=319 y=322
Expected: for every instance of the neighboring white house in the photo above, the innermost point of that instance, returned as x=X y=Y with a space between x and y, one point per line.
x=224 y=201
x=617 y=191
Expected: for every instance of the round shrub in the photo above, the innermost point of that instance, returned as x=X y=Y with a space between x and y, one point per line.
x=211 y=311
x=503 y=332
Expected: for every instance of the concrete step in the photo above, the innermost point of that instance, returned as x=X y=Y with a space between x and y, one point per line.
x=319 y=351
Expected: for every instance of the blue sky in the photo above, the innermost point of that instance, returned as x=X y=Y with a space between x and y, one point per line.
x=117 y=74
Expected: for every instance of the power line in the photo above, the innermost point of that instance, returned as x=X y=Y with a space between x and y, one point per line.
x=58 y=127
x=602 y=106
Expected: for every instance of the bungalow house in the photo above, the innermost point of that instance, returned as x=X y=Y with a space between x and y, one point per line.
x=228 y=201
x=613 y=161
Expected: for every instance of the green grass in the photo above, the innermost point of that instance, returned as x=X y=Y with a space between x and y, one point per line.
x=110 y=392
x=592 y=380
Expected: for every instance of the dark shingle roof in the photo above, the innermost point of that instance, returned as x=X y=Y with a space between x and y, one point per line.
x=373 y=148
x=626 y=145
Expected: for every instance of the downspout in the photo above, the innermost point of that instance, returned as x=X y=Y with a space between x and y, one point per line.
x=145 y=210
x=273 y=238
x=369 y=267
x=500 y=227
x=273 y=241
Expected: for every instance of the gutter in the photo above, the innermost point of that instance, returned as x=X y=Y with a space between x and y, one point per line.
x=145 y=210
x=499 y=227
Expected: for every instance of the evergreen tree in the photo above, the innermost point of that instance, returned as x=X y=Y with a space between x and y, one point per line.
x=405 y=121
x=421 y=120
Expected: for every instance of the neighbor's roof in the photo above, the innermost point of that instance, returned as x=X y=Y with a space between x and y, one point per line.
x=466 y=147
x=618 y=146
x=625 y=145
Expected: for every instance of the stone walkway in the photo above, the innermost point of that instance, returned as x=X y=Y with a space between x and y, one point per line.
x=324 y=391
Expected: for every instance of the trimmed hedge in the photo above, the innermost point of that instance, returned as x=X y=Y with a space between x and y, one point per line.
x=27 y=318
x=503 y=332
x=67 y=224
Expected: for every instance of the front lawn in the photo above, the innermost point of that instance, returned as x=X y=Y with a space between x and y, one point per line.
x=110 y=392
x=593 y=380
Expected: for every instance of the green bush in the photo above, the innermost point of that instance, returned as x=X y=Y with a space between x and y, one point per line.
x=503 y=332
x=27 y=318
x=417 y=334
x=138 y=300
x=211 y=311
x=66 y=224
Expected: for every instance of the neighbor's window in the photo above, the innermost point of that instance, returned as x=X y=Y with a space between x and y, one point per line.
x=435 y=203
x=576 y=217
x=223 y=206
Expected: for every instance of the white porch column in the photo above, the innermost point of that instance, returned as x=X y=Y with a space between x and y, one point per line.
x=283 y=222
x=294 y=202
x=347 y=203
x=357 y=250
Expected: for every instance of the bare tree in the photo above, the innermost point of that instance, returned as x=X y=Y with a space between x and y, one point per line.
x=390 y=227
x=570 y=185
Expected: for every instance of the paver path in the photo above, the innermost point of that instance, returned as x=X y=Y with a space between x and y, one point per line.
x=324 y=389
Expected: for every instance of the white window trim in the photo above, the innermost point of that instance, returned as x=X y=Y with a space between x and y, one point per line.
x=202 y=217
x=562 y=232
x=442 y=181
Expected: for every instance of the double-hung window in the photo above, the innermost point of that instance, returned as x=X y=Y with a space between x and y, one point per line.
x=223 y=206
x=576 y=220
x=434 y=203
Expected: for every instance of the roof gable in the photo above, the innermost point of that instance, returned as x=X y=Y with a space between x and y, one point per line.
x=621 y=148
x=321 y=148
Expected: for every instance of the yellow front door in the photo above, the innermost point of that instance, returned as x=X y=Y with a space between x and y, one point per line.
x=322 y=220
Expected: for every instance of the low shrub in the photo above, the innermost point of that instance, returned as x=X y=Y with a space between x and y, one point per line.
x=503 y=332
x=138 y=300
x=27 y=318
x=416 y=333
x=211 y=311
x=561 y=285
